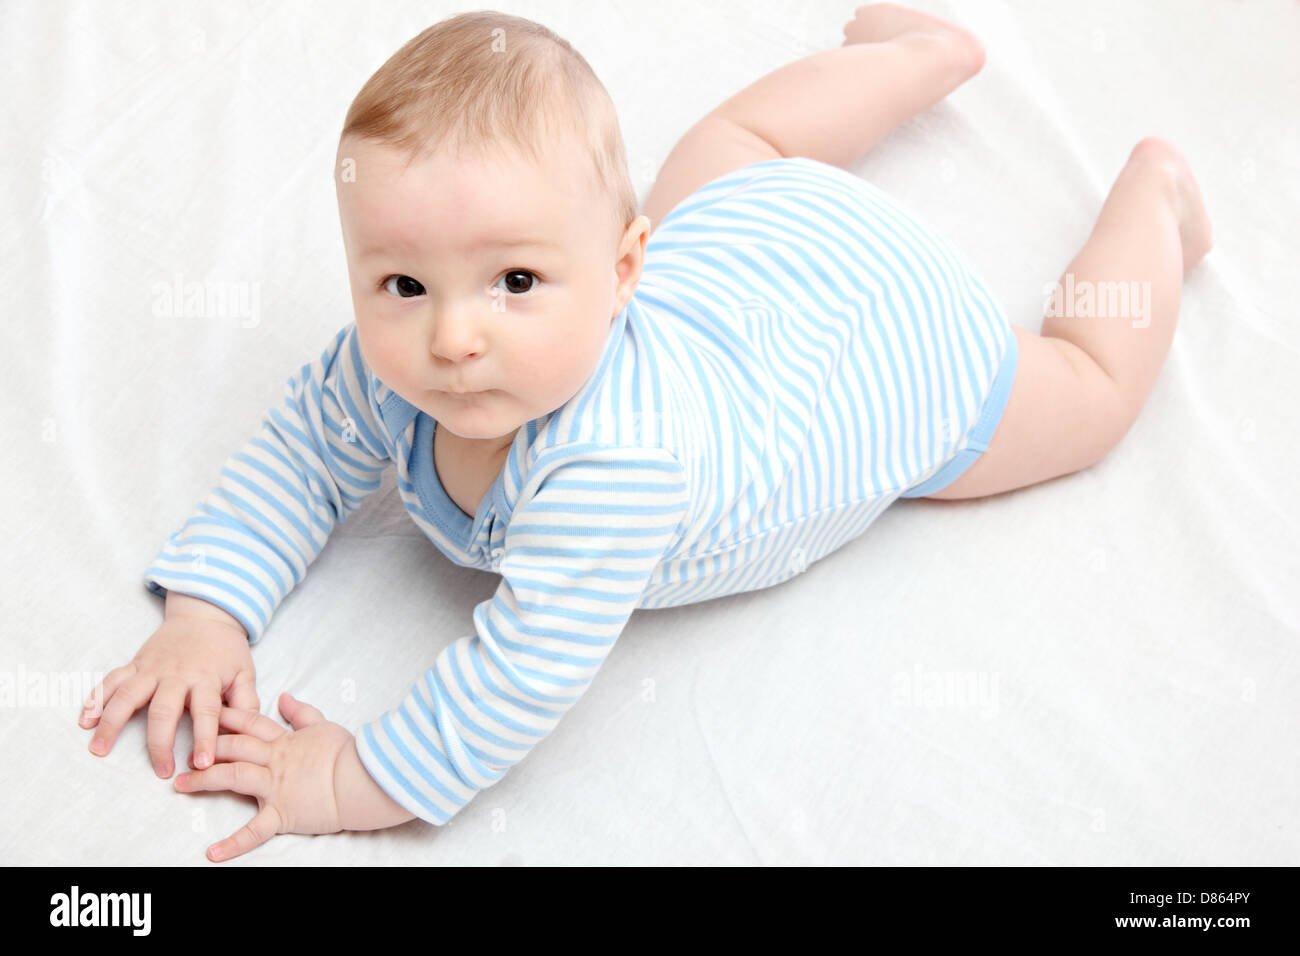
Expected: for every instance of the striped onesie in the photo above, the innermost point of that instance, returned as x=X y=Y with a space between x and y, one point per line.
x=799 y=353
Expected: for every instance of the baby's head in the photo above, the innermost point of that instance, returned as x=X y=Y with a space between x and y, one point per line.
x=489 y=222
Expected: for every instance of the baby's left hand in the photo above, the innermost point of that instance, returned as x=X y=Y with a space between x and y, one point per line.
x=290 y=772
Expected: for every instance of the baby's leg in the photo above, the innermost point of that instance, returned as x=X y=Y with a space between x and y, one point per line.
x=831 y=106
x=1152 y=229
x=1080 y=385
x=835 y=105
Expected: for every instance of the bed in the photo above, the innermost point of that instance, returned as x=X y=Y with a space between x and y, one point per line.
x=1096 y=670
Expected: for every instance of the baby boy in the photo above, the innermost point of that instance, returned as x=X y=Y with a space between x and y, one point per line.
x=616 y=409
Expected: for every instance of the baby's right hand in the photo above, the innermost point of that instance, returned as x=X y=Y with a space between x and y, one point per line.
x=200 y=651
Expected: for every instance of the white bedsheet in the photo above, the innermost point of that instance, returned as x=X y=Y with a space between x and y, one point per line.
x=1097 y=670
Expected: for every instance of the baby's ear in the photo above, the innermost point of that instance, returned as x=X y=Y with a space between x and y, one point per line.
x=636 y=233
x=641 y=227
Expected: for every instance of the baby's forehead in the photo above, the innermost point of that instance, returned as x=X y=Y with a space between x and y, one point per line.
x=487 y=189
x=561 y=168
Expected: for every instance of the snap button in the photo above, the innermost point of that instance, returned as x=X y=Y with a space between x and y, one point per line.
x=798 y=561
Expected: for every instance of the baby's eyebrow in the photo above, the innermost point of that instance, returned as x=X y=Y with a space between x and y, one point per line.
x=514 y=241
x=487 y=243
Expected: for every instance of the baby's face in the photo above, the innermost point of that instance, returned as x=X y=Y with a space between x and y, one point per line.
x=484 y=290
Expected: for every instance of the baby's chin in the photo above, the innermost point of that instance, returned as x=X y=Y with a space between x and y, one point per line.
x=485 y=415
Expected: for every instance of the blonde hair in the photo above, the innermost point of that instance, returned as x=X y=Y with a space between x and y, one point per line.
x=487 y=79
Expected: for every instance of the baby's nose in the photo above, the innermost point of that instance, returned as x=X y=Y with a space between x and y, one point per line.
x=458 y=334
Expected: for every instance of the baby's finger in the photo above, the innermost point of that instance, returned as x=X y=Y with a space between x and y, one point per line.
x=299 y=713
x=246 y=778
x=164 y=714
x=264 y=825
x=98 y=698
x=250 y=722
x=129 y=698
x=243 y=747
x=205 y=707
x=243 y=692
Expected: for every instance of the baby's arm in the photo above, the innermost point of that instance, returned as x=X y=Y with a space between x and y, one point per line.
x=320 y=452
x=362 y=803
x=591 y=526
x=245 y=547
x=589 y=529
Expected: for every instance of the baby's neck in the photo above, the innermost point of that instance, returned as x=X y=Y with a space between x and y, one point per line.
x=484 y=449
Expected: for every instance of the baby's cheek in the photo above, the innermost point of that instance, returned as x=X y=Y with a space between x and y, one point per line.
x=540 y=377
x=553 y=356
x=576 y=360
x=538 y=371
x=385 y=354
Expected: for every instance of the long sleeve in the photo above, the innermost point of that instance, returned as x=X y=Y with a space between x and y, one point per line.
x=318 y=455
x=583 y=542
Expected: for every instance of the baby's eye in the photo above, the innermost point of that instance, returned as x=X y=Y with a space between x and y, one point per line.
x=518 y=281
x=407 y=286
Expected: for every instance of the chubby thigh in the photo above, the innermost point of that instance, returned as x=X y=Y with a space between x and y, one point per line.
x=713 y=147
x=1063 y=414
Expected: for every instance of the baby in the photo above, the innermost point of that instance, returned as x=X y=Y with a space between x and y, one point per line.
x=617 y=410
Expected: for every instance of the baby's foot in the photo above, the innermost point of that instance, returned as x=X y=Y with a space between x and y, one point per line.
x=878 y=22
x=1193 y=219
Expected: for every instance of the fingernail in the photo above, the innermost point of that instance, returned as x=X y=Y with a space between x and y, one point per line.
x=214 y=853
x=97 y=746
x=202 y=760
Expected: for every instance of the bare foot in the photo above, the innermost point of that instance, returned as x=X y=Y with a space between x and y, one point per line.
x=878 y=22
x=1193 y=220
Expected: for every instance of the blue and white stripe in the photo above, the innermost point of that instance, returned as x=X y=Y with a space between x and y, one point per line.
x=582 y=542
x=799 y=353
x=318 y=455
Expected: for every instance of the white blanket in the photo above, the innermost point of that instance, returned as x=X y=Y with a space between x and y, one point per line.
x=1100 y=669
